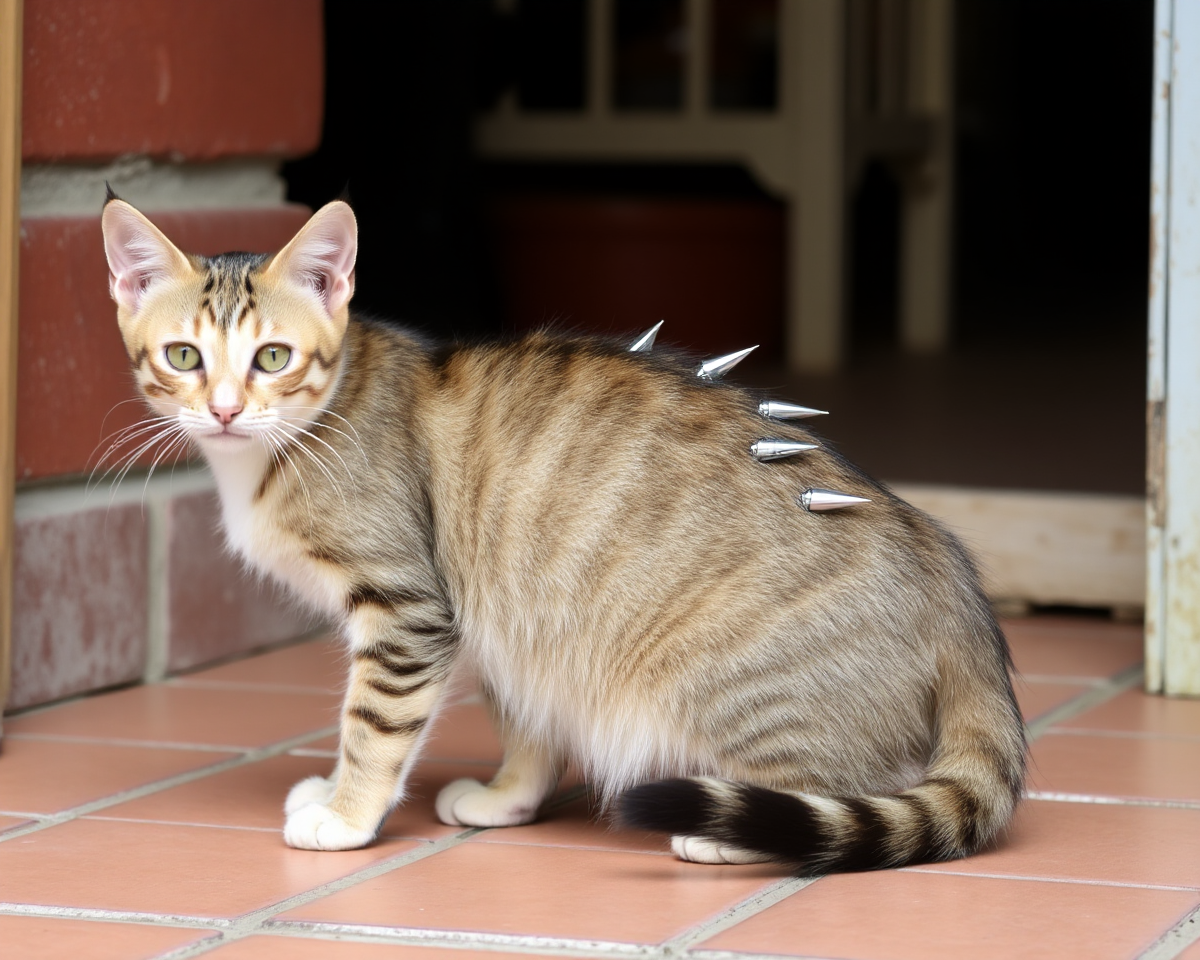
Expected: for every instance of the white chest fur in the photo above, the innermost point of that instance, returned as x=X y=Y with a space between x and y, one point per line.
x=254 y=532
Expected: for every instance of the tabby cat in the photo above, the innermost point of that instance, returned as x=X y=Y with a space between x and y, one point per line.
x=584 y=529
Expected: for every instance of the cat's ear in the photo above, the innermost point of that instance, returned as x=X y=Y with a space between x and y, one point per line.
x=139 y=254
x=321 y=256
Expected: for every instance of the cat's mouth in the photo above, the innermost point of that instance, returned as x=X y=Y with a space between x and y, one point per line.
x=225 y=434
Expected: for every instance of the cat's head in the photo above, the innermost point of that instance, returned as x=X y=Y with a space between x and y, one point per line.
x=239 y=348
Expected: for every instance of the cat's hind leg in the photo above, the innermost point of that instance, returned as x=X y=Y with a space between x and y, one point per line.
x=528 y=775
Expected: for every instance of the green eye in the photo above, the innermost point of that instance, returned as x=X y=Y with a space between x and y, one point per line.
x=273 y=357
x=183 y=356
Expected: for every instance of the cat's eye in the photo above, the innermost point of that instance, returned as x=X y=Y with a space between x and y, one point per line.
x=183 y=356
x=273 y=357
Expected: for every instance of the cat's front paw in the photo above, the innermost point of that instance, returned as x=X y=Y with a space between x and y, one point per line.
x=309 y=790
x=468 y=803
x=316 y=827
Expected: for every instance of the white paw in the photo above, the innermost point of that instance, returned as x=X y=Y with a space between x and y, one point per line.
x=702 y=850
x=316 y=827
x=468 y=803
x=310 y=790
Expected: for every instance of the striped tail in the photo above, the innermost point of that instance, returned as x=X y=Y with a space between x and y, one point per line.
x=966 y=799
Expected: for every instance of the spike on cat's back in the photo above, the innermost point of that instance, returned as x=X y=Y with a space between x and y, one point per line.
x=782 y=410
x=772 y=448
x=816 y=500
x=717 y=367
x=645 y=343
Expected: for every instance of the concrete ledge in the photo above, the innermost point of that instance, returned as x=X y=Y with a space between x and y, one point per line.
x=1076 y=549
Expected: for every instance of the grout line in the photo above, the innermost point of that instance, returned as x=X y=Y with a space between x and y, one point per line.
x=112 y=916
x=1054 y=797
x=1172 y=943
x=753 y=904
x=250 y=756
x=1037 y=678
x=127 y=742
x=255 y=921
x=248 y=687
x=462 y=939
x=1117 y=684
x=1077 y=881
x=188 y=823
x=1124 y=734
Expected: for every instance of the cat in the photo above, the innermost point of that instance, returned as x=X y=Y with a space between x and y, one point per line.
x=583 y=527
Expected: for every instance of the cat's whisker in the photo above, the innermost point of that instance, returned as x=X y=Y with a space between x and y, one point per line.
x=177 y=442
x=119 y=437
x=156 y=430
x=313 y=436
x=127 y=462
x=356 y=440
x=280 y=447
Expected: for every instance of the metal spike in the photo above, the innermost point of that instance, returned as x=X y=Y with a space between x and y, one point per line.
x=772 y=448
x=816 y=500
x=717 y=367
x=645 y=343
x=782 y=410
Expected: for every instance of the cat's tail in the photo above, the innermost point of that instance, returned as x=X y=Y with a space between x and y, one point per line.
x=966 y=798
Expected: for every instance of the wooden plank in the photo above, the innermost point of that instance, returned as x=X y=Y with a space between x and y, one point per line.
x=1047 y=548
x=10 y=184
x=1156 y=363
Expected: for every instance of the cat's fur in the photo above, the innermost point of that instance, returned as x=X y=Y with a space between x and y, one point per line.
x=584 y=528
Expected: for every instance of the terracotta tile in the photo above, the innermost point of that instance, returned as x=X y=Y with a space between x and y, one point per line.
x=1191 y=953
x=101 y=81
x=166 y=714
x=1073 y=646
x=61 y=407
x=293 y=948
x=318 y=664
x=1092 y=841
x=552 y=891
x=79 y=603
x=156 y=868
x=1036 y=699
x=894 y=915
x=214 y=608
x=43 y=776
x=464 y=732
x=252 y=796
x=577 y=824
x=1113 y=766
x=1138 y=712
x=55 y=938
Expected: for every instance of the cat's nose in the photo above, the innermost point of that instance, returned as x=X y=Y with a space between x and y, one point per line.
x=225 y=414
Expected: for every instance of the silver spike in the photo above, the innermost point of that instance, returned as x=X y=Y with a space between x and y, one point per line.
x=816 y=500
x=782 y=410
x=645 y=343
x=772 y=448
x=717 y=367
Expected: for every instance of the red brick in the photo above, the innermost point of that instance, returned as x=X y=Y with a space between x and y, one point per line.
x=215 y=608
x=79 y=603
x=72 y=367
x=193 y=79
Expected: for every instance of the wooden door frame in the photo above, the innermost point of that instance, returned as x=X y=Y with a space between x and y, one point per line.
x=10 y=223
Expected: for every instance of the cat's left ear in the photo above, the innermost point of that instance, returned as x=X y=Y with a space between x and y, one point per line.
x=139 y=254
x=321 y=256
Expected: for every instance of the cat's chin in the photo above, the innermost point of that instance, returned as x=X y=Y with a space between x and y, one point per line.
x=225 y=441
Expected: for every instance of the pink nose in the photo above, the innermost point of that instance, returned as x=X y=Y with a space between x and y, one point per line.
x=225 y=414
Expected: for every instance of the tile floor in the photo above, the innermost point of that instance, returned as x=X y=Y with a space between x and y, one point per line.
x=146 y=823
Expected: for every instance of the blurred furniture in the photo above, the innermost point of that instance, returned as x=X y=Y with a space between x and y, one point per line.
x=857 y=81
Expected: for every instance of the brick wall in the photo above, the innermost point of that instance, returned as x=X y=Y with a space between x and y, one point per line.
x=187 y=108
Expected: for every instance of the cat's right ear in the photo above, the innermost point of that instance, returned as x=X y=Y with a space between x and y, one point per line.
x=320 y=258
x=139 y=254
